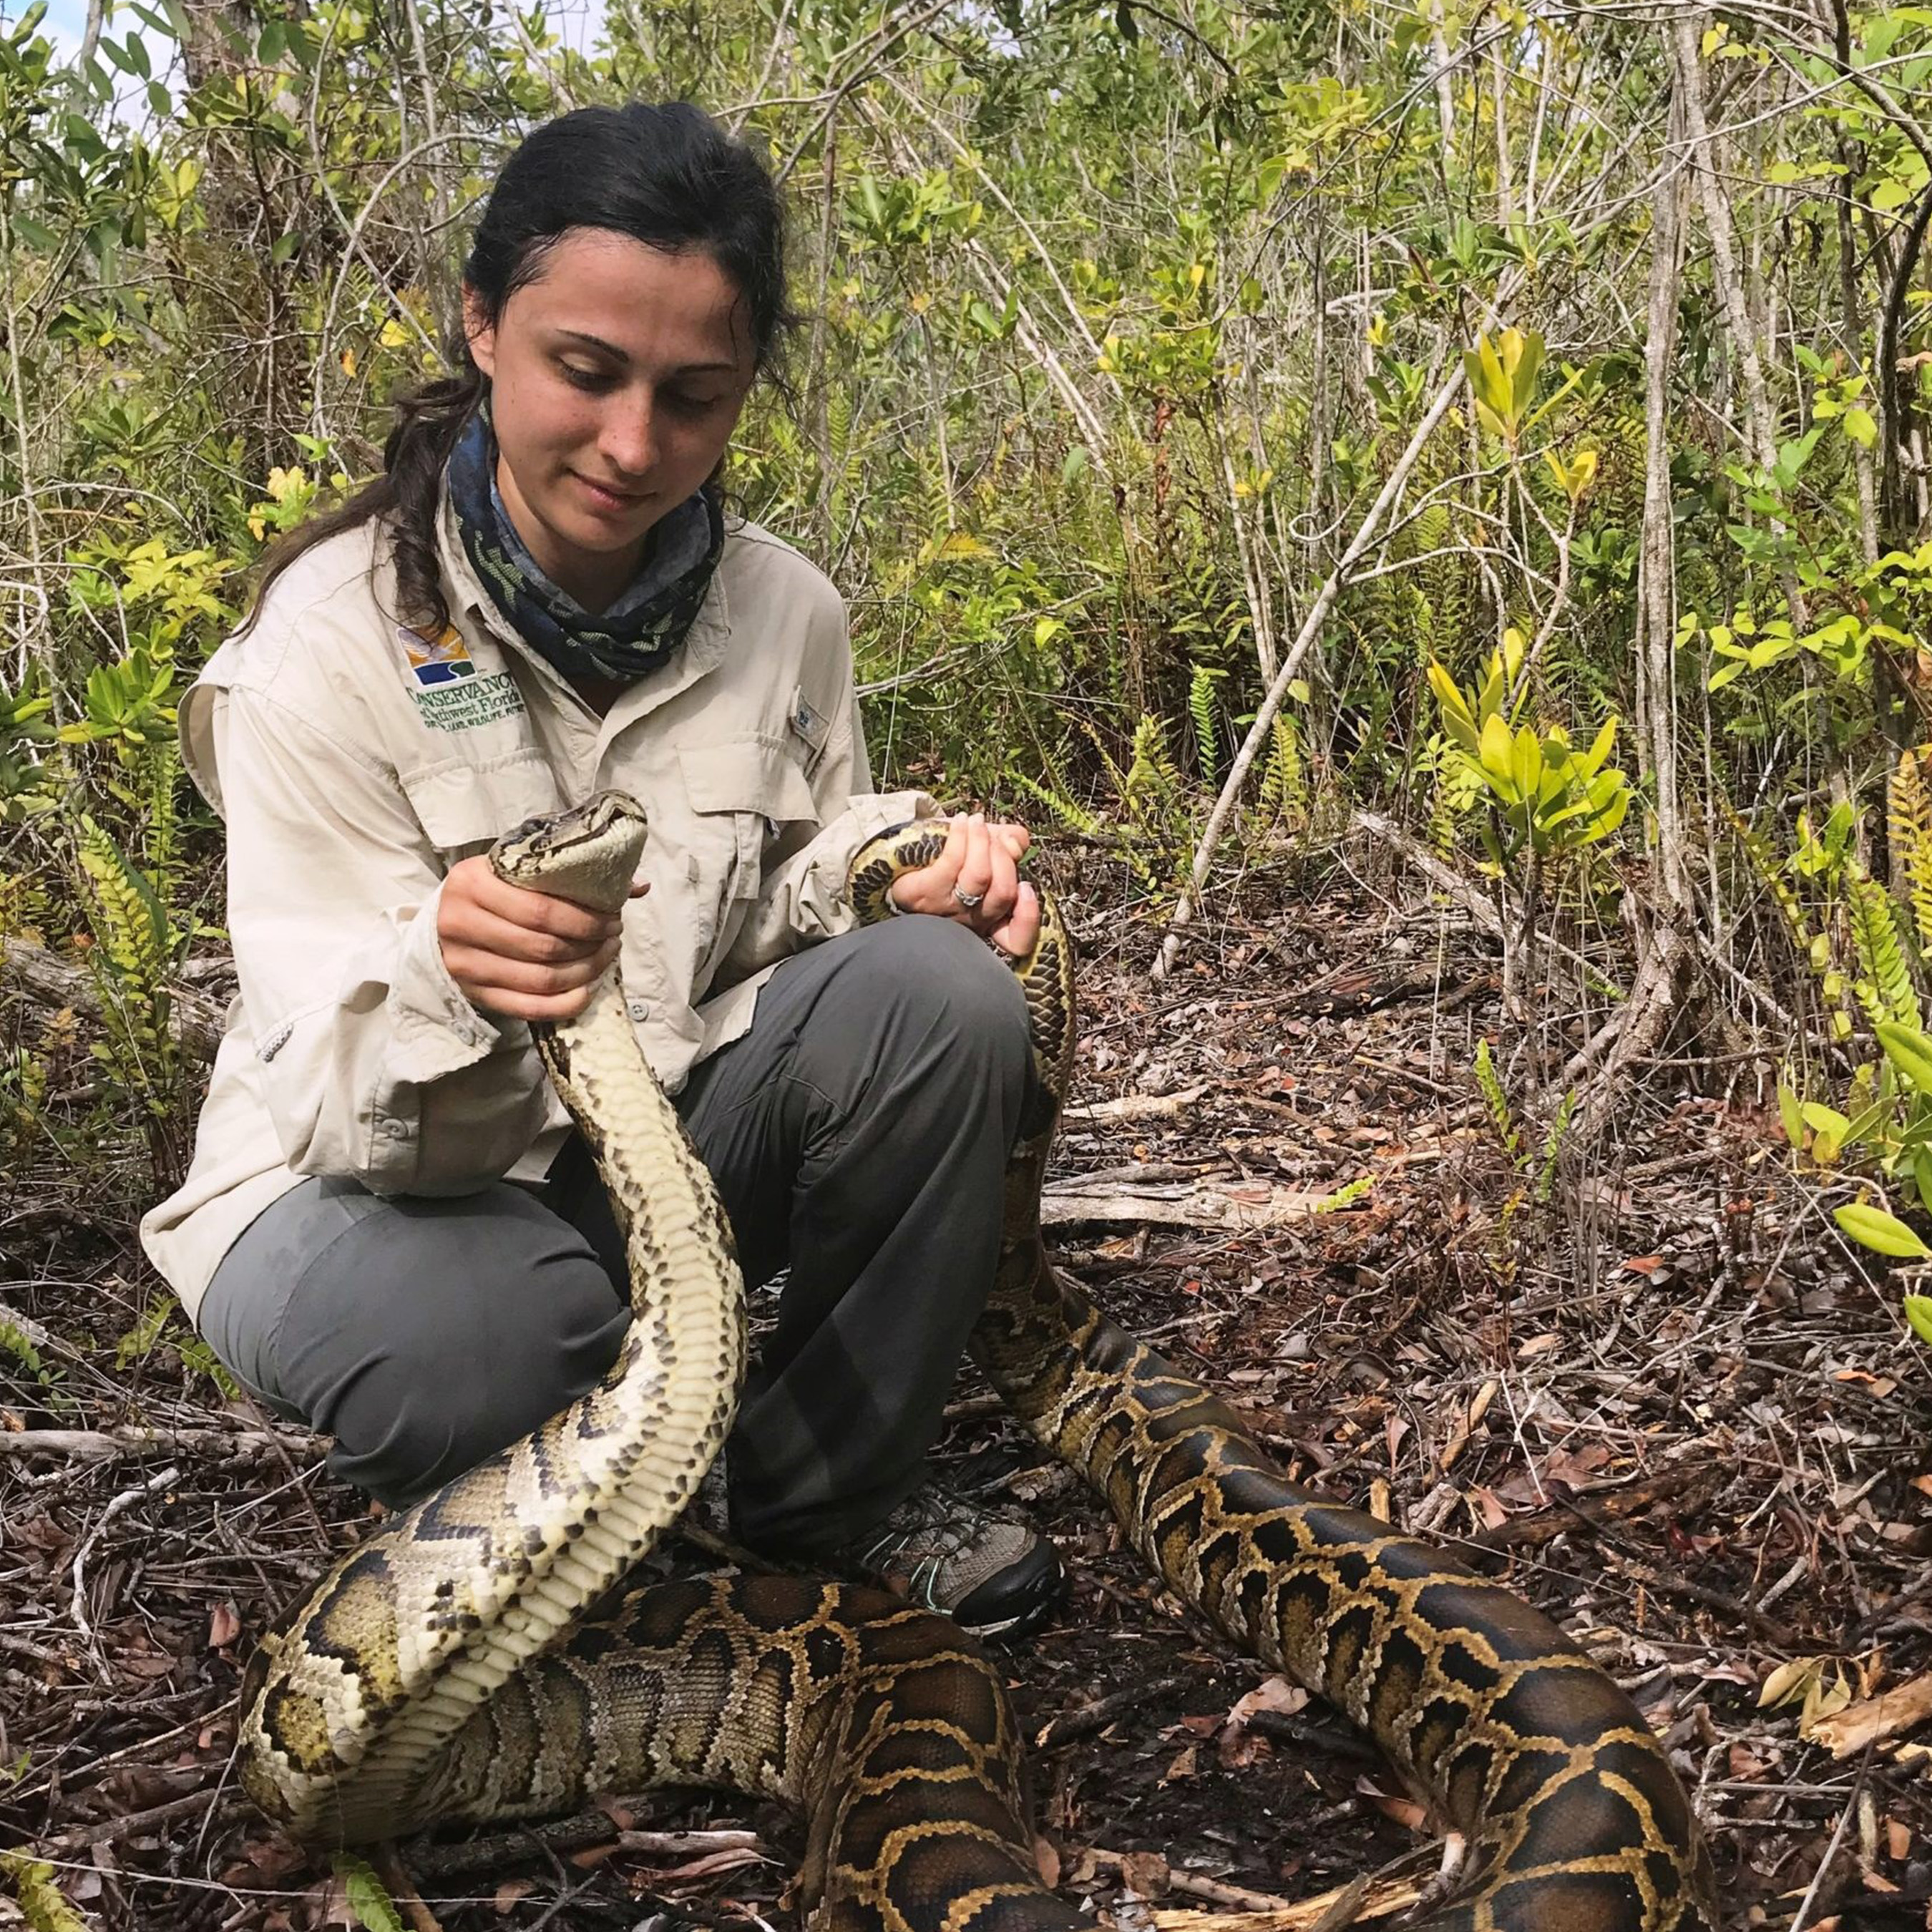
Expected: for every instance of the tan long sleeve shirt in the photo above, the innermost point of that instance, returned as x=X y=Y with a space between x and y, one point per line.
x=354 y=762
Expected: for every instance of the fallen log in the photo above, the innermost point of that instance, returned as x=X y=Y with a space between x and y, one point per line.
x=45 y=979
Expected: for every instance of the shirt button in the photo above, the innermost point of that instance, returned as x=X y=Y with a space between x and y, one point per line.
x=640 y=1010
x=393 y=1130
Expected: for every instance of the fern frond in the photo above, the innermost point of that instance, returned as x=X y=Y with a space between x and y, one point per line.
x=1553 y=1148
x=1151 y=770
x=1770 y=872
x=130 y=925
x=1912 y=840
x=161 y=818
x=1498 y=1101
x=838 y=426
x=1431 y=527
x=1074 y=816
x=1886 y=991
x=1201 y=684
x=1284 y=786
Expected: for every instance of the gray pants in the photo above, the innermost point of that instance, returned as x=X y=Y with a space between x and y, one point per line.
x=858 y=1133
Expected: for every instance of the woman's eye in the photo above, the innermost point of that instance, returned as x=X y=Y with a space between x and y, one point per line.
x=580 y=378
x=689 y=405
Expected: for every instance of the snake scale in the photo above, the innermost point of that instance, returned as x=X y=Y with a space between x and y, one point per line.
x=444 y=1670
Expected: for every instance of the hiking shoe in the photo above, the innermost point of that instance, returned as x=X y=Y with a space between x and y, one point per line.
x=988 y=1570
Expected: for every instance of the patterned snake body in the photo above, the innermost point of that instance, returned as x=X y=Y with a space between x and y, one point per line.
x=886 y=1725
x=348 y=1706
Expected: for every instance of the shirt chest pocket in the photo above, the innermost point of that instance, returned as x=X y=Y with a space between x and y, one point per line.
x=463 y=809
x=741 y=795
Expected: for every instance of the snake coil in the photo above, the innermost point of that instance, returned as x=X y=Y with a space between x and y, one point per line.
x=441 y=1670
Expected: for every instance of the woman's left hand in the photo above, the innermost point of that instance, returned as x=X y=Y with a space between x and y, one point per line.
x=975 y=881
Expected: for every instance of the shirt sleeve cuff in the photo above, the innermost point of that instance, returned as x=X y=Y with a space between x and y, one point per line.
x=437 y=1029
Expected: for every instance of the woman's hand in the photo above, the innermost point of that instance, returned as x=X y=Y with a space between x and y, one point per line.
x=521 y=955
x=975 y=881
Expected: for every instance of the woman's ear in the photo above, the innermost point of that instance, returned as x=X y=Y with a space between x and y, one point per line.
x=479 y=331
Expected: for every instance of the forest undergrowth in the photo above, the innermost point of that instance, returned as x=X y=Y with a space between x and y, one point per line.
x=1455 y=473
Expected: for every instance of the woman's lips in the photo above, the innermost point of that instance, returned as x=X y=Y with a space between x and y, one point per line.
x=612 y=502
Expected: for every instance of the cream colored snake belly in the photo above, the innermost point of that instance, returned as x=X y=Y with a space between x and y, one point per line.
x=435 y=1673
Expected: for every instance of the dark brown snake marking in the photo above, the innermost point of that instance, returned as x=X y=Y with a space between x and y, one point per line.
x=891 y=1731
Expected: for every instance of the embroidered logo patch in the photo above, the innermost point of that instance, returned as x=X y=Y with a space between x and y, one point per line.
x=436 y=660
x=449 y=692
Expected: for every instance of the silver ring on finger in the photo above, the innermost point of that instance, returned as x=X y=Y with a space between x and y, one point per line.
x=970 y=901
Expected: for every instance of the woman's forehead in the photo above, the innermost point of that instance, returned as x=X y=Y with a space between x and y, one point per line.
x=639 y=303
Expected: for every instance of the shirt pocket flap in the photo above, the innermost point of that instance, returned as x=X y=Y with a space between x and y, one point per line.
x=752 y=775
x=464 y=807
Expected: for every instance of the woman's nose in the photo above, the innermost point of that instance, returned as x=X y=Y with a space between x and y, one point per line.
x=629 y=440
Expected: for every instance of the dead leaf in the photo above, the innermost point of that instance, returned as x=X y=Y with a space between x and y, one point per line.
x=1404 y=1811
x=1238 y=1747
x=224 y=1626
x=510 y=1893
x=1577 y=1468
x=1046 y=1856
x=1880 y=1385
x=1186 y=1763
x=1144 y=1873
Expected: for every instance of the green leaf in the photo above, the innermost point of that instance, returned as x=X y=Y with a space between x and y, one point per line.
x=372 y=1905
x=1884 y=1233
x=1909 y=1050
x=1918 y=1314
x=1591 y=762
x=1922 y=1169
x=1496 y=750
x=1789 y=1113
x=44 y=1905
x=1860 y=427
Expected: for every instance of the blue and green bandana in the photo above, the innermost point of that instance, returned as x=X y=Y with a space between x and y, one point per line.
x=639 y=632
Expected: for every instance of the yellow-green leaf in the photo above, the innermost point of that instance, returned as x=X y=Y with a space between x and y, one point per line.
x=1591 y=762
x=1884 y=1233
x=1526 y=763
x=366 y=1895
x=1910 y=1051
x=1918 y=1313
x=1788 y=1112
x=1495 y=750
x=42 y=1902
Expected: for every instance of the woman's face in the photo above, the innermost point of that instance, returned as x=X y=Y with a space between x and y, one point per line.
x=617 y=378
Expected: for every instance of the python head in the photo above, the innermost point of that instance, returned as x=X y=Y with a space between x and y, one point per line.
x=588 y=854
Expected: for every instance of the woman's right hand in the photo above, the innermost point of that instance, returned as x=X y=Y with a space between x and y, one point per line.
x=519 y=954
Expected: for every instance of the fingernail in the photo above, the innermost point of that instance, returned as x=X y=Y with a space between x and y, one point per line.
x=979 y=818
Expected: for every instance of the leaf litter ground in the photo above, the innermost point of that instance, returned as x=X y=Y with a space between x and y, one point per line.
x=1665 y=1403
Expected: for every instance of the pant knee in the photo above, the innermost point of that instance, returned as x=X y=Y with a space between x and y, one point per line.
x=432 y=1401
x=948 y=983
x=429 y=1335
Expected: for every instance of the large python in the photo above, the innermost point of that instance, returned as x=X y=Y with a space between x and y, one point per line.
x=440 y=1672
